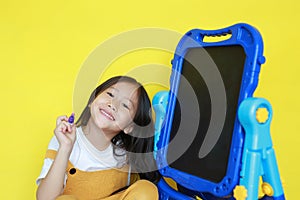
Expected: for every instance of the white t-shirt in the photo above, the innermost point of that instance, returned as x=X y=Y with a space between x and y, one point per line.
x=85 y=156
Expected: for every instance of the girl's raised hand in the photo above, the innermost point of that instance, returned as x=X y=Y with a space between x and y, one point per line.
x=65 y=132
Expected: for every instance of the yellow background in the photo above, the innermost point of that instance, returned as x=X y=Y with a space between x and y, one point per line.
x=43 y=45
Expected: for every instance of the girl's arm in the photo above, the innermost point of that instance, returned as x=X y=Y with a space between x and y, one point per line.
x=52 y=185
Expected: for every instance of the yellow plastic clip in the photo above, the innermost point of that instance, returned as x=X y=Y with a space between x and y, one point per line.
x=267 y=189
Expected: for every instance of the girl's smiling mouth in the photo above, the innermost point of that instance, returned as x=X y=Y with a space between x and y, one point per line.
x=107 y=114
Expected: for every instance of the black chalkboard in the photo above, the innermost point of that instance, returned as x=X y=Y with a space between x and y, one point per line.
x=229 y=62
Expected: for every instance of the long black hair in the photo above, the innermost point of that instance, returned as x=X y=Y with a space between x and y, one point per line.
x=138 y=144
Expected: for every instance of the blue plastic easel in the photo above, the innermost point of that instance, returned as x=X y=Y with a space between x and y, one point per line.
x=251 y=154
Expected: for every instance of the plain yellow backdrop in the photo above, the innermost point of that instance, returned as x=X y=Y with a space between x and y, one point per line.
x=44 y=44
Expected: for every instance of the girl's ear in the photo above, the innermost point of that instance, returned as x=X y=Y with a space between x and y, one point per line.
x=129 y=128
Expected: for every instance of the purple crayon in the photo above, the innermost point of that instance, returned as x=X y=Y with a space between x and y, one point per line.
x=71 y=118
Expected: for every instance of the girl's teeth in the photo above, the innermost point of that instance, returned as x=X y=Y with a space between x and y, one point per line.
x=106 y=114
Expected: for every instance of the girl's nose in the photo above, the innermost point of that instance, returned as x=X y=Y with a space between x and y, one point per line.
x=112 y=106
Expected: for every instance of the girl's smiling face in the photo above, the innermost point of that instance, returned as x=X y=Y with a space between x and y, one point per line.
x=114 y=109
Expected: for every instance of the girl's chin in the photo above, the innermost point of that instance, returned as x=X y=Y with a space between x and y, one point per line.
x=108 y=127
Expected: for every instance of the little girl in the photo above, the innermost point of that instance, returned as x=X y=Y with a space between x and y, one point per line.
x=107 y=154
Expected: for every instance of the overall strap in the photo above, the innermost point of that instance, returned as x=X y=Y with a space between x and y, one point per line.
x=129 y=175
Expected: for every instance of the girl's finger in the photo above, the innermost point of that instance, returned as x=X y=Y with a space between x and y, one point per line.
x=67 y=126
x=60 y=119
x=62 y=128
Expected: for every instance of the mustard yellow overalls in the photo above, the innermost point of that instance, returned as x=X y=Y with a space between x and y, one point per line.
x=99 y=185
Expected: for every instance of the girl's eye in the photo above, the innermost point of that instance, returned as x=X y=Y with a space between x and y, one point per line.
x=110 y=94
x=126 y=106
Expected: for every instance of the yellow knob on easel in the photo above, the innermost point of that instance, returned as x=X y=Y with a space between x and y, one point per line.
x=262 y=115
x=240 y=192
